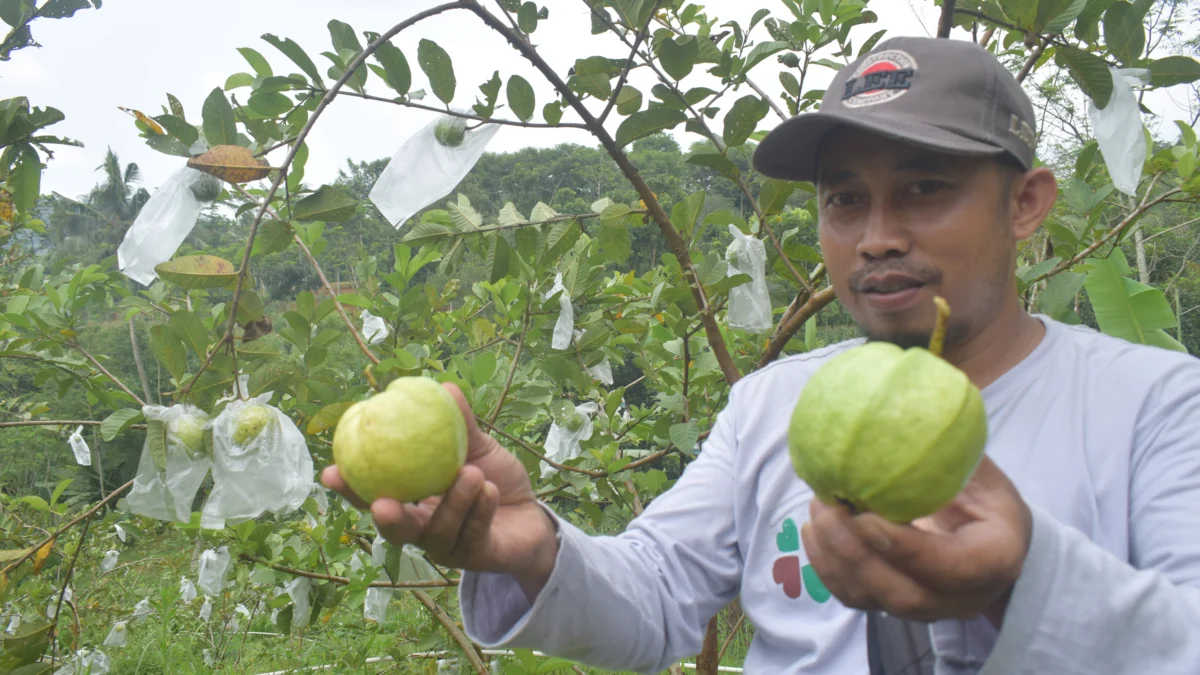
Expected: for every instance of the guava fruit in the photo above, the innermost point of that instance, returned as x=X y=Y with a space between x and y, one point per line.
x=250 y=422
x=450 y=132
x=407 y=442
x=574 y=422
x=206 y=188
x=189 y=431
x=893 y=431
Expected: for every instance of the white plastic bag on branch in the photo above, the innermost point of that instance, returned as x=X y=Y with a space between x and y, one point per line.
x=566 y=431
x=376 y=604
x=1118 y=128
x=566 y=317
x=109 y=561
x=449 y=666
x=83 y=454
x=602 y=371
x=161 y=226
x=116 y=636
x=142 y=608
x=120 y=532
x=85 y=662
x=374 y=329
x=414 y=566
x=426 y=168
x=52 y=606
x=187 y=590
x=298 y=590
x=175 y=460
x=13 y=624
x=214 y=565
x=261 y=463
x=749 y=303
x=206 y=609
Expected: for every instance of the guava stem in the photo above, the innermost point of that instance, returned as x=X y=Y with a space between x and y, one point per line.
x=938 y=338
x=854 y=510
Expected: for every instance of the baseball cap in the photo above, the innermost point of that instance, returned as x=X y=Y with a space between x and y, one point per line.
x=946 y=95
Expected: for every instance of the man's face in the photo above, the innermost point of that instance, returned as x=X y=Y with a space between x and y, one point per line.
x=900 y=224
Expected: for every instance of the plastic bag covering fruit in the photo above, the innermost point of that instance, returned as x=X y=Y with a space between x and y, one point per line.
x=212 y=570
x=206 y=189
x=160 y=227
x=424 y=170
x=260 y=463
x=83 y=454
x=749 y=303
x=374 y=329
x=407 y=442
x=562 y=441
x=894 y=431
x=565 y=325
x=1119 y=130
x=450 y=131
x=170 y=471
x=109 y=561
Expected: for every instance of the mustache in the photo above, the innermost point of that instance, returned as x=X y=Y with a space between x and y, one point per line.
x=927 y=275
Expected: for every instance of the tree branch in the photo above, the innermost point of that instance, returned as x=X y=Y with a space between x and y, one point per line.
x=678 y=246
x=87 y=355
x=343 y=581
x=137 y=360
x=455 y=632
x=787 y=329
x=58 y=533
x=946 y=21
x=452 y=113
x=594 y=473
x=515 y=362
x=637 y=42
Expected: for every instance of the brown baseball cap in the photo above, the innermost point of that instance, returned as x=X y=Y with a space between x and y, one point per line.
x=947 y=95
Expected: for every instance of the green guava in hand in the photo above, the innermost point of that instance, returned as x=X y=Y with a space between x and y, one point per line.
x=893 y=431
x=189 y=431
x=450 y=132
x=407 y=442
x=250 y=422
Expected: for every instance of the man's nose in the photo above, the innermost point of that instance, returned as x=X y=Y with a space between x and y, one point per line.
x=883 y=235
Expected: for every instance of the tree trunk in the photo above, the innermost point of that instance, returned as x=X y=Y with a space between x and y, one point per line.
x=137 y=360
x=98 y=460
x=1139 y=240
x=707 y=661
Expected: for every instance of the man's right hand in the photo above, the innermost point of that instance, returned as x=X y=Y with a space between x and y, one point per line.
x=488 y=521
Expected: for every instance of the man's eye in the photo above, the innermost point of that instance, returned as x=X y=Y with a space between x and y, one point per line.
x=840 y=199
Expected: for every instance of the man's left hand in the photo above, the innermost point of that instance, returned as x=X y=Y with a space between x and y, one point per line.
x=960 y=562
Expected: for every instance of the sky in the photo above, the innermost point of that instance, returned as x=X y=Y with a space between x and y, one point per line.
x=130 y=53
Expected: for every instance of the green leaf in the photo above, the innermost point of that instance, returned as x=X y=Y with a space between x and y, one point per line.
x=520 y=97
x=685 y=212
x=685 y=435
x=297 y=55
x=156 y=441
x=26 y=179
x=190 y=329
x=1021 y=12
x=168 y=350
x=761 y=51
x=179 y=128
x=552 y=112
x=269 y=103
x=614 y=241
x=527 y=17
x=1060 y=293
x=220 y=127
x=629 y=100
x=343 y=37
x=678 y=56
x=1172 y=70
x=1052 y=10
x=498 y=258
x=743 y=117
x=1126 y=308
x=328 y=203
x=198 y=271
x=1124 y=34
x=119 y=421
x=646 y=123
x=716 y=161
x=327 y=417
x=1088 y=71
x=273 y=235
x=1059 y=22
x=250 y=306
x=773 y=195
x=490 y=91
x=239 y=80
x=399 y=75
x=256 y=61
x=438 y=67
x=168 y=145
x=1087 y=26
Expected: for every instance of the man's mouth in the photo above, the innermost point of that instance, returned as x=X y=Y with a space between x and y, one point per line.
x=891 y=283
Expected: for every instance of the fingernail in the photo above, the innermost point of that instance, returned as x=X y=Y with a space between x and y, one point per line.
x=876 y=537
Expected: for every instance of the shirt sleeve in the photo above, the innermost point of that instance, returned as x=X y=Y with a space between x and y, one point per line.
x=637 y=601
x=1078 y=609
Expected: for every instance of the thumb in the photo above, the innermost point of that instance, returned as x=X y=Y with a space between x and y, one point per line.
x=473 y=430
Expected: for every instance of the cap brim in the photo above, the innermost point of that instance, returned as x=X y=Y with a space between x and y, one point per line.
x=789 y=151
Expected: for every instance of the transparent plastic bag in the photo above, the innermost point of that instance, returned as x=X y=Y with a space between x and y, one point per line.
x=414 y=566
x=85 y=662
x=449 y=666
x=749 y=303
x=120 y=532
x=109 y=561
x=1119 y=130
x=187 y=590
x=116 y=635
x=566 y=318
x=374 y=329
x=142 y=608
x=261 y=463
x=214 y=566
x=376 y=604
x=206 y=609
x=298 y=590
x=161 y=226
x=165 y=487
x=52 y=605
x=424 y=170
x=602 y=371
x=562 y=443
x=13 y=624
x=83 y=454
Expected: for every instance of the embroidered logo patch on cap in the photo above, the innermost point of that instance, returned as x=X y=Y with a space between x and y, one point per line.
x=880 y=77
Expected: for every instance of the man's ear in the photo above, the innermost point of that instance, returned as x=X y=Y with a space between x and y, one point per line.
x=1030 y=200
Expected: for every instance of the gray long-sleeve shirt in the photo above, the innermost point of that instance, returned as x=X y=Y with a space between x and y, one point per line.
x=1102 y=438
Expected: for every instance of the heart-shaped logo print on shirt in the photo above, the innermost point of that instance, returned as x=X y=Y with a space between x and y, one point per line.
x=788 y=539
x=787 y=573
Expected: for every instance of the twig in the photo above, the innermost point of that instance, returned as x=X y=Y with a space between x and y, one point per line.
x=440 y=614
x=946 y=22
x=787 y=329
x=770 y=101
x=355 y=63
x=515 y=362
x=343 y=581
x=594 y=473
x=1133 y=216
x=637 y=42
x=1034 y=55
x=268 y=150
x=736 y=626
x=60 y=423
x=452 y=113
x=66 y=583
x=137 y=360
x=678 y=246
x=57 y=533
x=87 y=355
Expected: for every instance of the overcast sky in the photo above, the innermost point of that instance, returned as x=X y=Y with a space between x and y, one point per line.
x=131 y=53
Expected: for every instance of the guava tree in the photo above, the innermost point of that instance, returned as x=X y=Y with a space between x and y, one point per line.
x=536 y=309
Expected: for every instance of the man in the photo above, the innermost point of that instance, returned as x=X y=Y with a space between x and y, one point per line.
x=1074 y=547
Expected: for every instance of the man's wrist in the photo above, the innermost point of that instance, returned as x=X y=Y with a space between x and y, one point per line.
x=534 y=577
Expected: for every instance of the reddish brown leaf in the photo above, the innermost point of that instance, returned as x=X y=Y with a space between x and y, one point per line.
x=231 y=163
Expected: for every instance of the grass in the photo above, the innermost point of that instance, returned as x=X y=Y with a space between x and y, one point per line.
x=174 y=639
